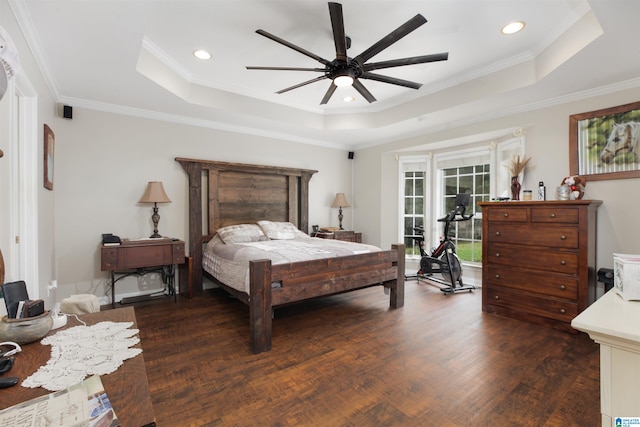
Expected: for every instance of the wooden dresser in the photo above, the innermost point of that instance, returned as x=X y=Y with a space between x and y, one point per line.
x=538 y=259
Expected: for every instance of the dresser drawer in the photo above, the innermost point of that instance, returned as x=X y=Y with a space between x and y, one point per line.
x=555 y=215
x=143 y=256
x=537 y=235
x=540 y=283
x=524 y=257
x=345 y=235
x=532 y=304
x=109 y=256
x=178 y=253
x=507 y=214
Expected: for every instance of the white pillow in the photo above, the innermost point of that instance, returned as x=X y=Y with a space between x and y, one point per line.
x=241 y=233
x=280 y=230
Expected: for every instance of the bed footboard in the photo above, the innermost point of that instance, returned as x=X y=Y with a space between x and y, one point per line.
x=274 y=285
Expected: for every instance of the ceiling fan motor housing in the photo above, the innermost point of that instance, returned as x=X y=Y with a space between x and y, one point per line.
x=340 y=68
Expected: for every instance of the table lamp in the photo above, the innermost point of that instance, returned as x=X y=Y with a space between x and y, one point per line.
x=155 y=194
x=340 y=202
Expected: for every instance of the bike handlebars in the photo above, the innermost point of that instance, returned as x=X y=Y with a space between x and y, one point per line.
x=455 y=218
x=462 y=201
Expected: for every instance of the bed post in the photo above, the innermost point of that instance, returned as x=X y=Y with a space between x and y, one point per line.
x=304 y=201
x=260 y=310
x=194 y=172
x=397 y=289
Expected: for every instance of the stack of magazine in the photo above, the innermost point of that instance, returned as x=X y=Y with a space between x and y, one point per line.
x=85 y=404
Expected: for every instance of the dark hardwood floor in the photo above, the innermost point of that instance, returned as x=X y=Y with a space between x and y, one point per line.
x=348 y=360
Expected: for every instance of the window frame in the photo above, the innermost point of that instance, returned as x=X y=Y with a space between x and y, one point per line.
x=417 y=164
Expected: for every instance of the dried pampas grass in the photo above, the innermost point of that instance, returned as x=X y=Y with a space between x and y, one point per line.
x=517 y=164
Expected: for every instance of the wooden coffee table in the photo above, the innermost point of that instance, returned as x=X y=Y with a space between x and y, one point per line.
x=127 y=388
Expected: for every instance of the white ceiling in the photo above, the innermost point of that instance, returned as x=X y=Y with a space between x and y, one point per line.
x=135 y=57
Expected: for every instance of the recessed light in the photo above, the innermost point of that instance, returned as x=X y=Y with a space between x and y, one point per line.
x=349 y=98
x=201 y=54
x=512 y=27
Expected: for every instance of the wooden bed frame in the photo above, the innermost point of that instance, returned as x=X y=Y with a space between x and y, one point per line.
x=241 y=193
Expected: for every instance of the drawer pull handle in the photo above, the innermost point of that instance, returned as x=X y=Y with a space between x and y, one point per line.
x=496 y=297
x=563 y=311
x=497 y=254
x=497 y=276
x=552 y=215
x=497 y=233
x=506 y=214
x=563 y=287
x=563 y=262
x=563 y=237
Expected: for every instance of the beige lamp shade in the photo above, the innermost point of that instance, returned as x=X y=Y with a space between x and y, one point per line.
x=340 y=201
x=155 y=193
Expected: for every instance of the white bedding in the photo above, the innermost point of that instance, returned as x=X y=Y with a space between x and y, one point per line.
x=229 y=263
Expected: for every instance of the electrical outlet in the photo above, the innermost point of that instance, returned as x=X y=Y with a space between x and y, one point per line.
x=53 y=285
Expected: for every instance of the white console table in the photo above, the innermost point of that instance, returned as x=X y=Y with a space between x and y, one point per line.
x=614 y=323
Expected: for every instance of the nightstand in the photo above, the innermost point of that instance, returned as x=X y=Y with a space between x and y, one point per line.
x=139 y=257
x=346 y=235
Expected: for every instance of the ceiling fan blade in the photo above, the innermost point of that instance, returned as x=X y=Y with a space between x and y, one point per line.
x=391 y=80
x=292 y=46
x=406 y=61
x=339 y=37
x=328 y=94
x=391 y=38
x=317 y=79
x=320 y=70
x=363 y=91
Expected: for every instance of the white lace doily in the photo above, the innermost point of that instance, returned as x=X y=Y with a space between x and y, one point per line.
x=81 y=351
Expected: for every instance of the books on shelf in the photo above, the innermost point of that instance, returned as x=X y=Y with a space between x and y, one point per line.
x=83 y=404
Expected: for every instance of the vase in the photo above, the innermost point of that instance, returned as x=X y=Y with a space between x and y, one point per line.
x=515 y=188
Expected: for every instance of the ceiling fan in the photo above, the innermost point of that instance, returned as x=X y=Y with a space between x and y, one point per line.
x=346 y=71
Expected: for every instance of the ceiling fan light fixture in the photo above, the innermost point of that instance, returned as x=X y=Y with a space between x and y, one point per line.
x=512 y=27
x=349 y=98
x=342 y=81
x=202 y=54
x=345 y=71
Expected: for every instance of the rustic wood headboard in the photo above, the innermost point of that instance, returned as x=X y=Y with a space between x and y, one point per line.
x=240 y=193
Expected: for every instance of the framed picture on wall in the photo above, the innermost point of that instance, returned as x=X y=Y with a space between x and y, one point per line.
x=605 y=144
x=49 y=146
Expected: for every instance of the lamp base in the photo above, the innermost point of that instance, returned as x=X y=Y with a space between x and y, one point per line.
x=156 y=219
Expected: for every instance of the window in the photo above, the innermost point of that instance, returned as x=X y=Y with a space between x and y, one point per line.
x=413 y=182
x=425 y=196
x=474 y=180
x=413 y=209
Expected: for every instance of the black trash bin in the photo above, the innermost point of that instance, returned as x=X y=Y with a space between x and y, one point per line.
x=605 y=275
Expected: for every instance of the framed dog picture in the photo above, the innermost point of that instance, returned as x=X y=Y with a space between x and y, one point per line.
x=605 y=144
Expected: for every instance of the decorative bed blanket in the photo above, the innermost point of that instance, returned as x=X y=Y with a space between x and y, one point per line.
x=229 y=263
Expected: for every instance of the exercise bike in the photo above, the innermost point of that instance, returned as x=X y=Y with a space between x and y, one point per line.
x=443 y=258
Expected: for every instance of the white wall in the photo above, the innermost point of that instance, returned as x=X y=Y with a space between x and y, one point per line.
x=104 y=161
x=547 y=142
x=45 y=198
